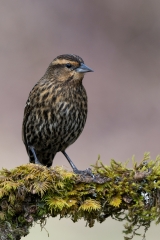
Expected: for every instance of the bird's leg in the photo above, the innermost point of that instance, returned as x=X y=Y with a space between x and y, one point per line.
x=75 y=170
x=34 y=154
x=70 y=162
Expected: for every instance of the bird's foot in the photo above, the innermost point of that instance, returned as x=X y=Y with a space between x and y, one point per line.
x=87 y=172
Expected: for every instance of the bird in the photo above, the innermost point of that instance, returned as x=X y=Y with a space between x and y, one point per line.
x=56 y=111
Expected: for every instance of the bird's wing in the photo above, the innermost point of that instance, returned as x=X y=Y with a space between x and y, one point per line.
x=27 y=111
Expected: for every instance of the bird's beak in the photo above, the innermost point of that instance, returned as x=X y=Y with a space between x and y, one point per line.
x=83 y=68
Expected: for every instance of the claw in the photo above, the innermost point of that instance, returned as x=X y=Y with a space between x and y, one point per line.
x=75 y=170
x=84 y=172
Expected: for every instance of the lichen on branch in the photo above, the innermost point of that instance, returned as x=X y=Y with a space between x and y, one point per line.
x=32 y=193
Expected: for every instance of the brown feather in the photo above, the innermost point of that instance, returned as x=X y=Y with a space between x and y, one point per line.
x=56 y=110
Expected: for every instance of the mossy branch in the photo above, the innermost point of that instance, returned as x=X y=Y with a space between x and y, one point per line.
x=32 y=193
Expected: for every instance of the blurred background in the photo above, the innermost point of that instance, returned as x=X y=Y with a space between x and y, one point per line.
x=120 y=40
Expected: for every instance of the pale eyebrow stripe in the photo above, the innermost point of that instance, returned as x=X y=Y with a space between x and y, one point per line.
x=63 y=61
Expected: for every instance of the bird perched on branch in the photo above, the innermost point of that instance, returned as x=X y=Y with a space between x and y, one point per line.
x=56 y=110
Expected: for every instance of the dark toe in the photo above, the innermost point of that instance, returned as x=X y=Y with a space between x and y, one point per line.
x=87 y=172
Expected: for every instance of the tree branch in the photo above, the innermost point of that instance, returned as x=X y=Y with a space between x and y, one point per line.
x=31 y=193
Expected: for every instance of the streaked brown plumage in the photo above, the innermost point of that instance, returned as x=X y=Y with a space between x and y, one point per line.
x=56 y=110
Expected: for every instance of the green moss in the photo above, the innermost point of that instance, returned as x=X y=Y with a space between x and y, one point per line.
x=31 y=192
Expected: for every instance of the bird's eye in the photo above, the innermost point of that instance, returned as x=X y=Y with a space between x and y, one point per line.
x=68 y=65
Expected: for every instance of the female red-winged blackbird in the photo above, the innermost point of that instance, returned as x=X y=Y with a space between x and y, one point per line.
x=56 y=110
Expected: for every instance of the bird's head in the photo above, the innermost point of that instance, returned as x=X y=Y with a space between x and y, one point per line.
x=67 y=67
